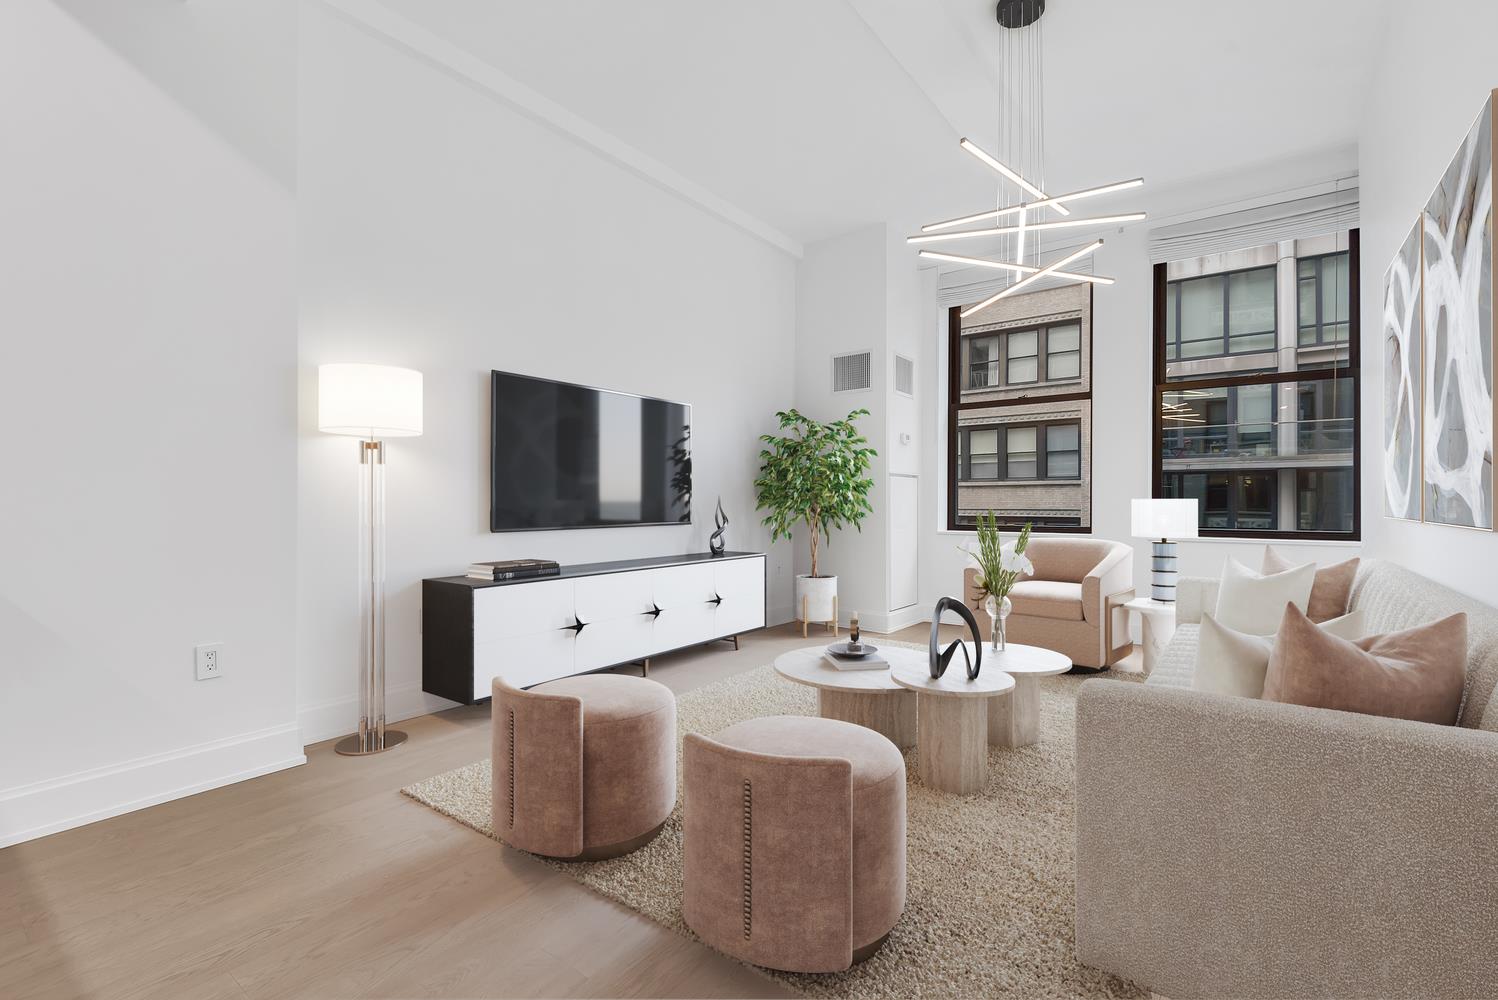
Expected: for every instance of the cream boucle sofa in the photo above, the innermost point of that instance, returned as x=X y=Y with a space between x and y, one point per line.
x=1234 y=847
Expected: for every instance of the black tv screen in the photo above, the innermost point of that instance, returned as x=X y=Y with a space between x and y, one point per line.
x=568 y=456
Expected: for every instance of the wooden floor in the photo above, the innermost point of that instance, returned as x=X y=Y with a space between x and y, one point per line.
x=325 y=881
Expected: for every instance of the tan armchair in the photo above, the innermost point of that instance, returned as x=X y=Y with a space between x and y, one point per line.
x=1073 y=603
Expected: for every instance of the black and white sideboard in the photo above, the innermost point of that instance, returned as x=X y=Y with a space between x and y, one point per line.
x=588 y=617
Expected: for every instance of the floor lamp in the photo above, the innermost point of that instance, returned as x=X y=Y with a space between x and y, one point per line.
x=370 y=402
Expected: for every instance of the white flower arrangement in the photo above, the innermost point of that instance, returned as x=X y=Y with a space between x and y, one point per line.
x=1000 y=564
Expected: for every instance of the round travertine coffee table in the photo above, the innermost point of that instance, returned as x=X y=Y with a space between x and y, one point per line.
x=1015 y=721
x=868 y=698
x=952 y=726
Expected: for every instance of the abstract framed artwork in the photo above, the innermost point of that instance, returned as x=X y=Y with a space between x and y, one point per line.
x=1403 y=481
x=1438 y=334
x=1457 y=293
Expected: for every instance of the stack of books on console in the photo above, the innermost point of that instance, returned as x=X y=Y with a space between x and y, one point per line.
x=512 y=569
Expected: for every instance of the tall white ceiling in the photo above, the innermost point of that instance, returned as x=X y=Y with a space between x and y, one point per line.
x=819 y=116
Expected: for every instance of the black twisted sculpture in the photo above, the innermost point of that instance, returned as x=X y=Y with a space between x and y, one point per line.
x=716 y=544
x=940 y=659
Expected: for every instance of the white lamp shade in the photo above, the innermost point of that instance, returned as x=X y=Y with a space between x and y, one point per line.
x=1163 y=518
x=368 y=401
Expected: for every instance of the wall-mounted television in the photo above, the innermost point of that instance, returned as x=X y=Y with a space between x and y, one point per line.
x=570 y=456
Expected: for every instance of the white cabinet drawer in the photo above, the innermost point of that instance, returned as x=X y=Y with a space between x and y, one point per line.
x=740 y=585
x=683 y=586
x=522 y=608
x=614 y=640
x=685 y=626
x=614 y=595
x=523 y=660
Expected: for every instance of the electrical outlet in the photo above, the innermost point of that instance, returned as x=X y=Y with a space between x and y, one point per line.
x=209 y=658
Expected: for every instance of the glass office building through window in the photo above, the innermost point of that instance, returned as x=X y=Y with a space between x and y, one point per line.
x=1256 y=388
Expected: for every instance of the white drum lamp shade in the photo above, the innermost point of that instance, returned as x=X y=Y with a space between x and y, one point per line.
x=368 y=401
x=1162 y=520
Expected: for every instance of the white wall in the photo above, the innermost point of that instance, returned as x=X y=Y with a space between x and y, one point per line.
x=444 y=231
x=1122 y=384
x=1431 y=77
x=841 y=308
x=146 y=368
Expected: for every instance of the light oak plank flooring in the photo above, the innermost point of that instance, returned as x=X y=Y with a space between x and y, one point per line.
x=325 y=881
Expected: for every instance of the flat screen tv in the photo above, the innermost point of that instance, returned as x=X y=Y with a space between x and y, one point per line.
x=569 y=456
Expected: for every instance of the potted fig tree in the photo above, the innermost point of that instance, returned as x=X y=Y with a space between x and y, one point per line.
x=814 y=474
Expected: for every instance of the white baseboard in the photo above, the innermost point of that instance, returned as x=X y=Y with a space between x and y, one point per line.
x=905 y=617
x=57 y=804
x=326 y=720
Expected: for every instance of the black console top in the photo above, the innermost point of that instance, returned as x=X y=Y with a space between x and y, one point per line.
x=600 y=568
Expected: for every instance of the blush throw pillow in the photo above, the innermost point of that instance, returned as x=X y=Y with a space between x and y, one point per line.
x=1232 y=662
x=1254 y=603
x=1332 y=591
x=1415 y=674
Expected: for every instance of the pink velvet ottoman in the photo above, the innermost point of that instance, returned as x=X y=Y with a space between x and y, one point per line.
x=584 y=767
x=793 y=841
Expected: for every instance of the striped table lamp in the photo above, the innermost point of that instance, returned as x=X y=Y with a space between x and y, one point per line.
x=1163 y=521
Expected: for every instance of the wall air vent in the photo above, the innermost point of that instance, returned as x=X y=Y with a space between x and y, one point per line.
x=904 y=376
x=852 y=372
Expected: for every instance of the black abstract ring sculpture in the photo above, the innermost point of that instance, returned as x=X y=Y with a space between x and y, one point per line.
x=940 y=659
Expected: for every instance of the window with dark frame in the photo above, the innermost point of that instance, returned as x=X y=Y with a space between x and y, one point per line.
x=1031 y=437
x=1322 y=306
x=983 y=362
x=1216 y=315
x=1021 y=452
x=1063 y=351
x=1022 y=365
x=1063 y=451
x=1266 y=453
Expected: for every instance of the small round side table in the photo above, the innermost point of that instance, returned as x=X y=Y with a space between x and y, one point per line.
x=1015 y=721
x=868 y=698
x=952 y=727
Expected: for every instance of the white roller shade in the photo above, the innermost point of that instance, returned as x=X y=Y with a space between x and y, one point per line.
x=1293 y=219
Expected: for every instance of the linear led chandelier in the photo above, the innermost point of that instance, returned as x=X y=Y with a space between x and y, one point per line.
x=1022 y=205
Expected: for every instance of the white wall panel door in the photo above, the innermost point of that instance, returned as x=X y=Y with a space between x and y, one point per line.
x=740 y=583
x=904 y=533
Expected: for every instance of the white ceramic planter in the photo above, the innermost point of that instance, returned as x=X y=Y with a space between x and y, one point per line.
x=816 y=598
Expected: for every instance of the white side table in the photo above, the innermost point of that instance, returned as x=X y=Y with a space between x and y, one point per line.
x=1157 y=623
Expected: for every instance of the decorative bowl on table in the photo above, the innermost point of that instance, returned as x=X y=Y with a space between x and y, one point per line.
x=851 y=649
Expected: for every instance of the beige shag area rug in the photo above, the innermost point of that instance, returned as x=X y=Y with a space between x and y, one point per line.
x=989 y=877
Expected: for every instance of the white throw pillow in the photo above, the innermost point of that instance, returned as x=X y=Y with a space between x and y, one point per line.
x=1232 y=662
x=1255 y=603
